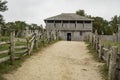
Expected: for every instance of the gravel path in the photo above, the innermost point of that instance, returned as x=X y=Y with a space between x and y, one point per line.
x=61 y=61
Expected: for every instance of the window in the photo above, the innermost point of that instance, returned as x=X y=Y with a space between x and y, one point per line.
x=65 y=21
x=58 y=21
x=72 y=21
x=50 y=21
x=79 y=21
x=87 y=21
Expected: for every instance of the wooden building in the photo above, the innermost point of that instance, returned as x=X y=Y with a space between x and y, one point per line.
x=68 y=26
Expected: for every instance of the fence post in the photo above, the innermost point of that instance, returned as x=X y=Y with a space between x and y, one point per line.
x=36 y=42
x=43 y=34
x=28 y=46
x=113 y=64
x=100 y=51
x=12 y=45
x=97 y=43
x=92 y=41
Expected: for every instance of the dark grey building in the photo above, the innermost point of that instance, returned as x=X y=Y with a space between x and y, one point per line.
x=68 y=26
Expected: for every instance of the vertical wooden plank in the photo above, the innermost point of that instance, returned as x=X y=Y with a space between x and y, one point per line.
x=108 y=58
x=113 y=63
x=118 y=66
x=97 y=44
x=28 y=46
x=12 y=45
x=36 y=41
x=100 y=51
x=43 y=41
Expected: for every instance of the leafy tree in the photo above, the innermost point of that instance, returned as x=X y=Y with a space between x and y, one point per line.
x=8 y=26
x=99 y=23
x=80 y=12
x=1 y=20
x=19 y=27
x=115 y=20
x=3 y=8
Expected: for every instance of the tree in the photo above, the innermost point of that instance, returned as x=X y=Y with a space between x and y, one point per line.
x=3 y=8
x=1 y=20
x=81 y=12
x=19 y=27
x=101 y=26
x=99 y=23
x=8 y=26
x=115 y=20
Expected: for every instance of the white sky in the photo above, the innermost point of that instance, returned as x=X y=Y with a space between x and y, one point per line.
x=35 y=11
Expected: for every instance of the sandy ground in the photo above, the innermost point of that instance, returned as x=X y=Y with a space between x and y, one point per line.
x=61 y=61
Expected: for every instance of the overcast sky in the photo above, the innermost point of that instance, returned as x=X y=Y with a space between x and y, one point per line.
x=35 y=11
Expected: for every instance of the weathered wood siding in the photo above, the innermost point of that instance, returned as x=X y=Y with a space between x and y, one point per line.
x=74 y=28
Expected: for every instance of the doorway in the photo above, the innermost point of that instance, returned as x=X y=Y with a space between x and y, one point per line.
x=68 y=36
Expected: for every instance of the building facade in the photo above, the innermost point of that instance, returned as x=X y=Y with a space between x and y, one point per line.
x=68 y=26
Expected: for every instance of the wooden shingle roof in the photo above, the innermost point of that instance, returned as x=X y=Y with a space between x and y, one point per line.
x=68 y=16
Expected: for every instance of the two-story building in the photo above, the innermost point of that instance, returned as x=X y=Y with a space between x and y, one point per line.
x=68 y=26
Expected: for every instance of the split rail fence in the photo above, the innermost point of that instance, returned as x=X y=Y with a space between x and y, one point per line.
x=110 y=55
x=29 y=45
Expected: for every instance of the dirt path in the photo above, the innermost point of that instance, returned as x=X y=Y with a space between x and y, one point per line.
x=61 y=61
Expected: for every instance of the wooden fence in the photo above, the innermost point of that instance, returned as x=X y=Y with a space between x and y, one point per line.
x=24 y=49
x=110 y=55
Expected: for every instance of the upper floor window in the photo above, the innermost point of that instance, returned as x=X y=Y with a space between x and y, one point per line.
x=72 y=21
x=87 y=21
x=79 y=21
x=50 y=21
x=58 y=21
x=65 y=21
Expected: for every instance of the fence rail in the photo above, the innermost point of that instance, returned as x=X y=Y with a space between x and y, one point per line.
x=110 y=55
x=30 y=43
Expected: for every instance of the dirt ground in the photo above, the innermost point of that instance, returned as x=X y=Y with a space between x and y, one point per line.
x=60 y=61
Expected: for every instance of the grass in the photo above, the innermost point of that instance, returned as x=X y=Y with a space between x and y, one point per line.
x=93 y=52
x=18 y=43
x=6 y=67
x=4 y=38
x=103 y=68
x=110 y=43
x=4 y=47
x=104 y=71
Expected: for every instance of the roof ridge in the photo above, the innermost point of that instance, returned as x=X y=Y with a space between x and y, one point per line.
x=68 y=16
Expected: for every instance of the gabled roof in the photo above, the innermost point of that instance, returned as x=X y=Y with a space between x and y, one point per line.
x=68 y=16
